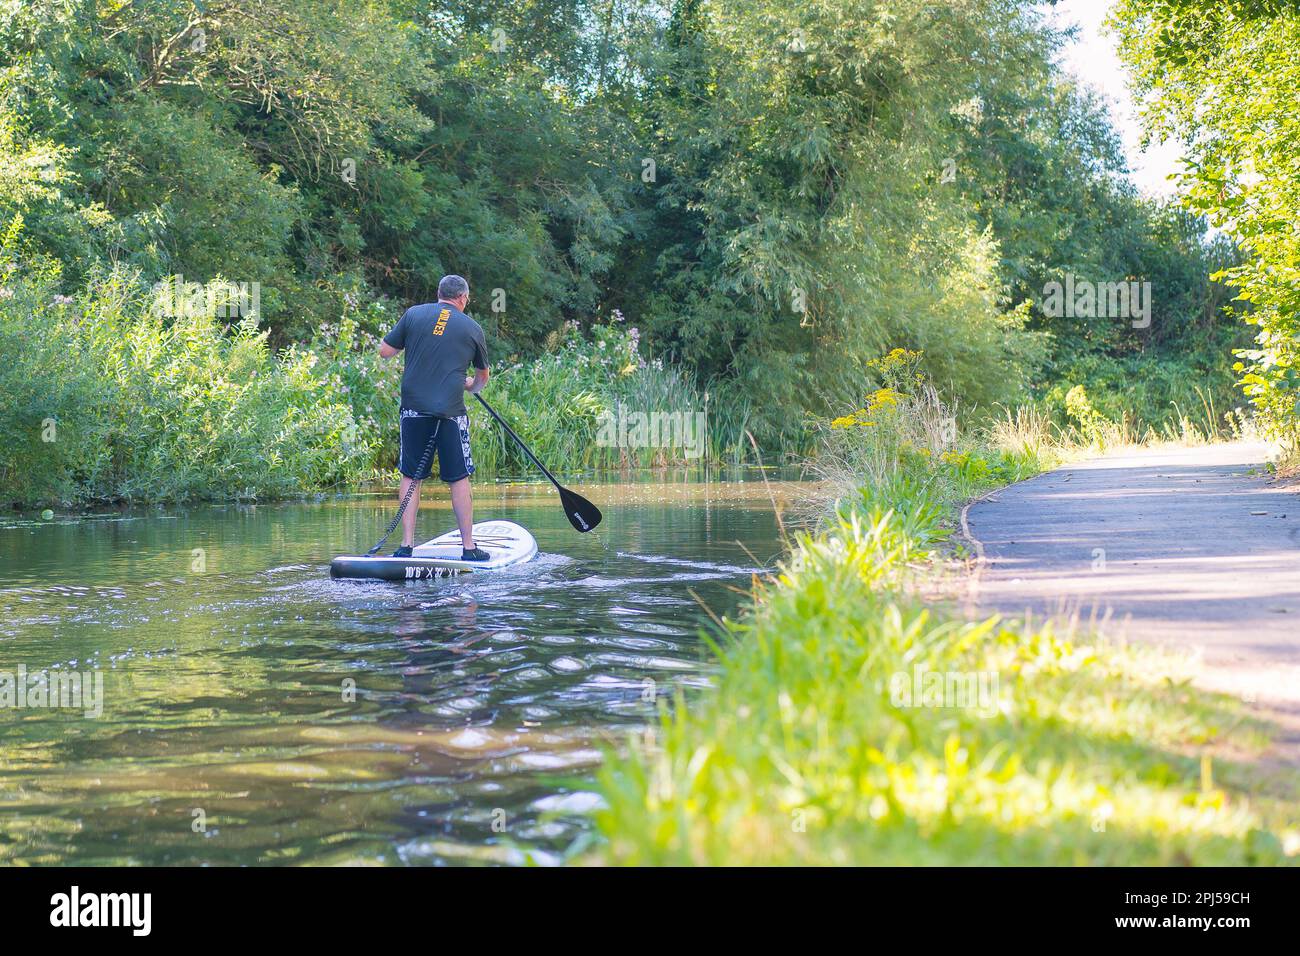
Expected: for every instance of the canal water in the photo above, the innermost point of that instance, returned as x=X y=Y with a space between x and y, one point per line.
x=254 y=711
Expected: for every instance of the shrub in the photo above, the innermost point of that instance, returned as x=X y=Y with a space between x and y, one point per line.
x=905 y=436
x=148 y=407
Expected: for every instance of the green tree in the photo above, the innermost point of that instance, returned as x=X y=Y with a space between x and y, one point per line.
x=1221 y=77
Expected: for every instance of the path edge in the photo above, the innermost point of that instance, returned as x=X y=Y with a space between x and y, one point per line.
x=964 y=531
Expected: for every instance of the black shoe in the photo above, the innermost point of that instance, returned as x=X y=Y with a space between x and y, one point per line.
x=477 y=554
x=403 y=552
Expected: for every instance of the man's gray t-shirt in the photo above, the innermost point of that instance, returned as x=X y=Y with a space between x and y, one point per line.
x=441 y=342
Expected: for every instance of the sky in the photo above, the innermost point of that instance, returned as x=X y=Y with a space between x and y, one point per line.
x=1093 y=59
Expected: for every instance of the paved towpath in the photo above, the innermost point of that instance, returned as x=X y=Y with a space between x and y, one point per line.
x=1190 y=547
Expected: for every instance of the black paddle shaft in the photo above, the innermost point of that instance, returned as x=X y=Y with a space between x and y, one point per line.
x=582 y=514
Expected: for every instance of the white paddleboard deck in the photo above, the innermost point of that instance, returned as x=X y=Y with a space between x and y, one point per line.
x=505 y=541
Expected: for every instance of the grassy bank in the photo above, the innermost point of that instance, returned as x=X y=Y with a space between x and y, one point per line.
x=853 y=724
x=109 y=398
x=123 y=392
x=593 y=401
x=116 y=393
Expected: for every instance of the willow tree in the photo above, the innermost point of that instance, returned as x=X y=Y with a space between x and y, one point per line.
x=808 y=214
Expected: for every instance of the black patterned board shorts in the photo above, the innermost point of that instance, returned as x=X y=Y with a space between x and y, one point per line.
x=451 y=440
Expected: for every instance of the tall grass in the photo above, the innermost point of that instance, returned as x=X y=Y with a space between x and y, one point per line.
x=805 y=752
x=812 y=747
x=906 y=436
x=109 y=397
x=1087 y=429
x=567 y=404
x=112 y=399
x=581 y=405
x=1188 y=396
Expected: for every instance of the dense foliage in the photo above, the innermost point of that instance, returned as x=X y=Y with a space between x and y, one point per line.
x=106 y=395
x=772 y=194
x=127 y=403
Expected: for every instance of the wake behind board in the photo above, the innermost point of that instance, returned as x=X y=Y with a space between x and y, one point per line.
x=505 y=541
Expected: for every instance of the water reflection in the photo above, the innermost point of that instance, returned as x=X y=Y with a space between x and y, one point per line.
x=258 y=712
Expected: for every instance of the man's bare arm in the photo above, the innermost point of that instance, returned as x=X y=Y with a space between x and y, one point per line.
x=475 y=384
x=386 y=350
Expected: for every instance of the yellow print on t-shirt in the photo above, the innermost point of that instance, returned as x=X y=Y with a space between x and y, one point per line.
x=443 y=316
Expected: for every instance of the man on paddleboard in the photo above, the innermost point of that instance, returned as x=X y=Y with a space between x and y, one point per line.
x=441 y=343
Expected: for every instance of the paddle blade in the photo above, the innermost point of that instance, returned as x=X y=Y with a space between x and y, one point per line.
x=582 y=514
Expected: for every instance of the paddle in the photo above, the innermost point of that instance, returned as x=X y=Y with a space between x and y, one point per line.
x=582 y=514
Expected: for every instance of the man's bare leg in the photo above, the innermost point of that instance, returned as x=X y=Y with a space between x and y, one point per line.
x=408 y=517
x=462 y=502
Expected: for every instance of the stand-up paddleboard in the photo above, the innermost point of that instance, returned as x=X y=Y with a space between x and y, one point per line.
x=505 y=541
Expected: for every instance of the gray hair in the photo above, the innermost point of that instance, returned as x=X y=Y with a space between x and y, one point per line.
x=452 y=287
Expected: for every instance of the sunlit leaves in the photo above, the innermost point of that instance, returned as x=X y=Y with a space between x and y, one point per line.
x=1222 y=77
